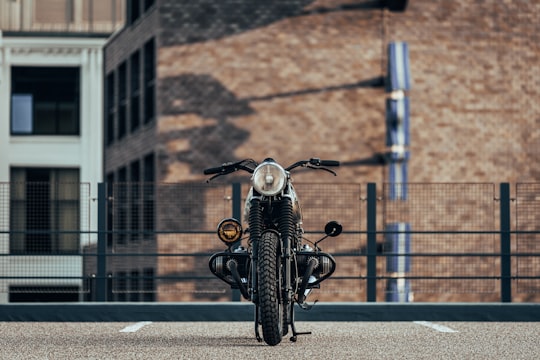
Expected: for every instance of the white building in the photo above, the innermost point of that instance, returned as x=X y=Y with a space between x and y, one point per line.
x=51 y=142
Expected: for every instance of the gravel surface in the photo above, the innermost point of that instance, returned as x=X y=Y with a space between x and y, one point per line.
x=234 y=340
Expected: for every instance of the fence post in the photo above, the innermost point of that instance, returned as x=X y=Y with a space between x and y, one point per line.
x=237 y=214
x=372 y=242
x=506 y=257
x=101 y=276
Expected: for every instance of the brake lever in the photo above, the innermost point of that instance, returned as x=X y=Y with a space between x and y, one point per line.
x=322 y=168
x=213 y=177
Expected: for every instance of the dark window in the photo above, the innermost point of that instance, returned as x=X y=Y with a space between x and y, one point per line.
x=121 y=286
x=122 y=100
x=135 y=199
x=45 y=100
x=43 y=294
x=111 y=107
x=149 y=81
x=149 y=287
x=134 y=285
x=135 y=71
x=149 y=169
x=44 y=211
x=148 y=4
x=148 y=197
x=110 y=218
x=121 y=203
x=134 y=10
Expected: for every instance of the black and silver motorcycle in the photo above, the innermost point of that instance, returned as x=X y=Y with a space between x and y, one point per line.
x=278 y=266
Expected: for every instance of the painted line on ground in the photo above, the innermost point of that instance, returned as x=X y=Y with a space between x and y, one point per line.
x=439 y=328
x=135 y=327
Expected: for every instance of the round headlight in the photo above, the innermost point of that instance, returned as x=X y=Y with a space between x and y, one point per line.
x=229 y=231
x=269 y=179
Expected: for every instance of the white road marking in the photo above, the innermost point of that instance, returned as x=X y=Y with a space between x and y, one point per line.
x=135 y=327
x=440 y=328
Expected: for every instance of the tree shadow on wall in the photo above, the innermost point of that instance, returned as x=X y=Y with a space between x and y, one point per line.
x=188 y=21
x=214 y=144
x=207 y=98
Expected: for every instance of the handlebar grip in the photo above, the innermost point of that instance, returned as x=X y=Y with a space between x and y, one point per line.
x=215 y=170
x=329 y=163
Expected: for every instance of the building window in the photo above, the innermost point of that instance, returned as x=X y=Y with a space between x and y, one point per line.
x=36 y=110
x=43 y=294
x=148 y=4
x=135 y=200
x=121 y=286
x=134 y=286
x=121 y=205
x=135 y=80
x=110 y=208
x=149 y=81
x=149 y=286
x=136 y=8
x=122 y=100
x=148 y=197
x=110 y=107
x=44 y=212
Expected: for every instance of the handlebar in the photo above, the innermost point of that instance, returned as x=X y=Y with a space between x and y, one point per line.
x=249 y=165
x=319 y=162
x=314 y=163
x=215 y=170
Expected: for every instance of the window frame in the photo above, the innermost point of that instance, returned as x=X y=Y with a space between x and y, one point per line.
x=49 y=231
x=33 y=83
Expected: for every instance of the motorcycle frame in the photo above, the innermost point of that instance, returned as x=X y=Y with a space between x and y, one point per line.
x=267 y=214
x=286 y=258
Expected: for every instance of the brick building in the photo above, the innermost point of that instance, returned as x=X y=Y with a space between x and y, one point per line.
x=191 y=85
x=299 y=78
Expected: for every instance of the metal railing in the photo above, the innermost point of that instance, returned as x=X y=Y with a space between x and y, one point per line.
x=443 y=243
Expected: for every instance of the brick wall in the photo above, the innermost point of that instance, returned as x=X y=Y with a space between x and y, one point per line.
x=286 y=81
x=301 y=78
x=476 y=71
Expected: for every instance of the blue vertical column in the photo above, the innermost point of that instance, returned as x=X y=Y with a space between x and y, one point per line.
x=398 y=237
x=398 y=263
x=398 y=84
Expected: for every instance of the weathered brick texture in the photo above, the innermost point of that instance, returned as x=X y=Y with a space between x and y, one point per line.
x=301 y=78
x=294 y=79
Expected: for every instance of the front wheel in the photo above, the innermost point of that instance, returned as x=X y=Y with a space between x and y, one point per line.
x=270 y=302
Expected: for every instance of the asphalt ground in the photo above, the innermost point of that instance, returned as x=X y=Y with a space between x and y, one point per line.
x=235 y=340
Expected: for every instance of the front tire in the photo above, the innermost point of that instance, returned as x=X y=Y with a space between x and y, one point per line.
x=270 y=302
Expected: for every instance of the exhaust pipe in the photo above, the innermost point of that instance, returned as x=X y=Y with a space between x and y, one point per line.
x=313 y=262
x=232 y=265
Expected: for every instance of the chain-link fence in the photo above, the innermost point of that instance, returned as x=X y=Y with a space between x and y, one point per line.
x=151 y=242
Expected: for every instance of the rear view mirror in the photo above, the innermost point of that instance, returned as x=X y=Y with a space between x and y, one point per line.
x=333 y=228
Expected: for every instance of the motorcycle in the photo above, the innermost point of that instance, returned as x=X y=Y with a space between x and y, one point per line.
x=278 y=267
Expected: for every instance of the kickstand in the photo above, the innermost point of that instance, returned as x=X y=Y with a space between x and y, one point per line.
x=293 y=328
x=296 y=333
x=257 y=335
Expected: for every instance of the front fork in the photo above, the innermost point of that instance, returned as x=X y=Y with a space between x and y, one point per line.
x=286 y=229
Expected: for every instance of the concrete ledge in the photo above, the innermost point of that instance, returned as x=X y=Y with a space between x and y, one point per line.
x=242 y=311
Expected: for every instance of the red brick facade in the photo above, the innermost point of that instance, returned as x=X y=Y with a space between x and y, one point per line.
x=301 y=78
x=295 y=80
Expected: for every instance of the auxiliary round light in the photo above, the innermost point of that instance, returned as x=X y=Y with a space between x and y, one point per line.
x=229 y=231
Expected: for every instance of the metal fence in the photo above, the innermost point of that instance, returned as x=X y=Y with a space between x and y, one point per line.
x=151 y=242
